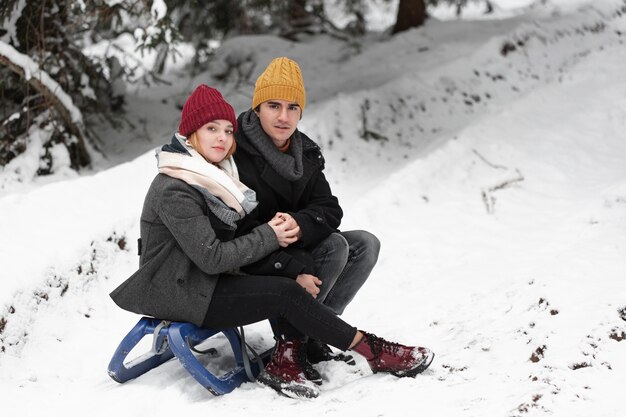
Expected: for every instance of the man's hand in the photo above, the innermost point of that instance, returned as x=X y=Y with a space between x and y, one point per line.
x=285 y=234
x=290 y=222
x=310 y=283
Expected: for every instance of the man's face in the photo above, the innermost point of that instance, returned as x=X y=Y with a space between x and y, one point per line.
x=279 y=119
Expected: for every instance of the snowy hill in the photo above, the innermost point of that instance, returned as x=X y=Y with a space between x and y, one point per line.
x=488 y=157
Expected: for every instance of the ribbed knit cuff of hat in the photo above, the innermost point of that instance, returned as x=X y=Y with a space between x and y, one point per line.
x=283 y=92
x=287 y=164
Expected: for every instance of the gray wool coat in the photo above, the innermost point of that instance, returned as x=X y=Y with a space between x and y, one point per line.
x=185 y=248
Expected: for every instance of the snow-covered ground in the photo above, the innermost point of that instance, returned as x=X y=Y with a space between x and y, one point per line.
x=488 y=157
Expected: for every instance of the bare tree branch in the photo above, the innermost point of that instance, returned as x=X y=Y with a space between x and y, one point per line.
x=487 y=162
x=487 y=194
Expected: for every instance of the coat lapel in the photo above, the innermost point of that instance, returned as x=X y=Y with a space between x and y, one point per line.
x=290 y=191
x=276 y=182
x=300 y=185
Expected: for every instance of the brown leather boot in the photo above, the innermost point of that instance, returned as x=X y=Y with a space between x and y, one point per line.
x=393 y=358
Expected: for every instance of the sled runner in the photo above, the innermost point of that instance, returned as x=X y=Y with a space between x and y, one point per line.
x=180 y=339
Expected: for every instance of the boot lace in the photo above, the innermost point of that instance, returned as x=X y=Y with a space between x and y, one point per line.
x=380 y=345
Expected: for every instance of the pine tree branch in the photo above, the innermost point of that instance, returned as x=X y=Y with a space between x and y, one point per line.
x=26 y=69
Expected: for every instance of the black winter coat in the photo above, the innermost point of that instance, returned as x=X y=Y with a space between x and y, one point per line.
x=309 y=200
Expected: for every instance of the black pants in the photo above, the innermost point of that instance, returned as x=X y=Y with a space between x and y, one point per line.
x=241 y=300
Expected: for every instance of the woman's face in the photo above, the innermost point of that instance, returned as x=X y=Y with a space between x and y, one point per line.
x=213 y=140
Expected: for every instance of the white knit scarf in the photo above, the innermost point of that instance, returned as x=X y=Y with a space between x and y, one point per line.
x=228 y=198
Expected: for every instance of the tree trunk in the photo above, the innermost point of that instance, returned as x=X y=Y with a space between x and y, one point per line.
x=488 y=7
x=411 y=14
x=296 y=11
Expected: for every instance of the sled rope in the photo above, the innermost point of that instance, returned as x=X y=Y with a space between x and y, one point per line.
x=246 y=357
x=158 y=350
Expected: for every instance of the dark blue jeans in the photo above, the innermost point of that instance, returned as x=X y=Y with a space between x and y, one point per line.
x=343 y=262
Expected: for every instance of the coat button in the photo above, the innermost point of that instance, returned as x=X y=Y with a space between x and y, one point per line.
x=180 y=281
x=278 y=265
x=319 y=219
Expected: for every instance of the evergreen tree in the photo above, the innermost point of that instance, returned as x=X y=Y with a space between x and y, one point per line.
x=48 y=81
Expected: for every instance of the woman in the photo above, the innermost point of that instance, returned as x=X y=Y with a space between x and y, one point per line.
x=189 y=257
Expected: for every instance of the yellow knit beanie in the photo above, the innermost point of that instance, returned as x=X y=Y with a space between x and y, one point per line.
x=281 y=80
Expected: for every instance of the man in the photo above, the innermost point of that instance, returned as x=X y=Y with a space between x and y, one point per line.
x=285 y=168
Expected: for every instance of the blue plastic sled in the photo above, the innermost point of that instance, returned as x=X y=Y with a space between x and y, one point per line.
x=179 y=339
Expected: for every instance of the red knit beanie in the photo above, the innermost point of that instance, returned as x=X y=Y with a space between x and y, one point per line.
x=205 y=104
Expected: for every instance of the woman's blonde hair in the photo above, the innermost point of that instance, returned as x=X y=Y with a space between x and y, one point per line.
x=193 y=140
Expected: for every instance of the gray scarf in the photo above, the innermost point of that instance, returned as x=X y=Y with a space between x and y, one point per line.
x=289 y=164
